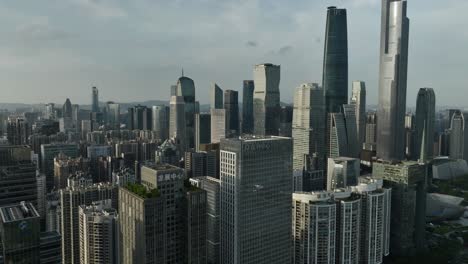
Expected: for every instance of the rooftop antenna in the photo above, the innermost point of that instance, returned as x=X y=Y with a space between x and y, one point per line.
x=182 y=72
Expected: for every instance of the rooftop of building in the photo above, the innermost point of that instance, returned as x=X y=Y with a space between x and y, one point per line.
x=17 y=212
x=256 y=138
x=142 y=191
x=160 y=166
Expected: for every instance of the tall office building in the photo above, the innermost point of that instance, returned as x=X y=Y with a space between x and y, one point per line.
x=20 y=233
x=49 y=112
x=196 y=225
x=255 y=198
x=186 y=89
x=141 y=118
x=286 y=117
x=231 y=105
x=459 y=136
x=48 y=153
x=247 y=106
x=410 y=136
x=95 y=100
x=408 y=183
x=425 y=122
x=212 y=187
x=80 y=191
x=354 y=148
x=266 y=99
x=177 y=123
x=338 y=136
x=18 y=131
x=142 y=222
x=342 y=172
x=113 y=115
x=67 y=110
x=99 y=233
x=219 y=126
x=202 y=129
x=308 y=126
x=393 y=77
x=18 y=183
x=371 y=132
x=335 y=60
x=64 y=167
x=358 y=98
x=216 y=97
x=161 y=117
x=169 y=181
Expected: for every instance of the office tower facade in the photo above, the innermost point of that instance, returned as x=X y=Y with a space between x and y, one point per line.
x=48 y=153
x=266 y=99
x=19 y=233
x=410 y=135
x=425 y=122
x=216 y=97
x=219 y=126
x=371 y=132
x=308 y=127
x=393 y=77
x=186 y=89
x=80 y=191
x=459 y=136
x=196 y=225
x=342 y=172
x=49 y=112
x=231 y=105
x=255 y=198
x=212 y=187
x=67 y=110
x=358 y=98
x=142 y=219
x=177 y=123
x=141 y=118
x=408 y=183
x=95 y=100
x=247 y=106
x=113 y=115
x=354 y=149
x=202 y=129
x=335 y=60
x=338 y=142
x=314 y=228
x=18 y=183
x=99 y=233
x=18 y=131
x=169 y=181
x=286 y=117
x=50 y=251
x=161 y=117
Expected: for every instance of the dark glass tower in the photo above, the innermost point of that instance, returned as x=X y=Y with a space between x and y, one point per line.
x=392 y=84
x=335 y=61
x=247 y=106
x=186 y=89
x=425 y=120
x=231 y=105
x=95 y=100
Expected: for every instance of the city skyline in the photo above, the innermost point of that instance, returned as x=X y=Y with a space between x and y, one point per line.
x=139 y=71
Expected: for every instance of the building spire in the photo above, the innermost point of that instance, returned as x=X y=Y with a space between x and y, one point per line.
x=182 y=72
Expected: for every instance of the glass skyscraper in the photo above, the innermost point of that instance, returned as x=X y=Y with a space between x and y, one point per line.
x=425 y=121
x=247 y=106
x=335 y=61
x=393 y=76
x=266 y=99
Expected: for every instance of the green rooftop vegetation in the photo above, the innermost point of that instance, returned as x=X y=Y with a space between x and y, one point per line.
x=142 y=191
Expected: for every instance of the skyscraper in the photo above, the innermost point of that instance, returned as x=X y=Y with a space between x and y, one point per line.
x=308 y=128
x=342 y=172
x=218 y=125
x=335 y=60
x=48 y=153
x=425 y=121
x=202 y=129
x=113 y=115
x=247 y=107
x=459 y=136
x=266 y=99
x=18 y=131
x=141 y=117
x=338 y=136
x=216 y=97
x=161 y=117
x=67 y=110
x=358 y=98
x=255 y=198
x=371 y=132
x=95 y=100
x=177 y=123
x=393 y=77
x=354 y=149
x=231 y=105
x=186 y=89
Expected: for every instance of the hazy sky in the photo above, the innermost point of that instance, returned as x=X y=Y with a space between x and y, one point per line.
x=135 y=49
